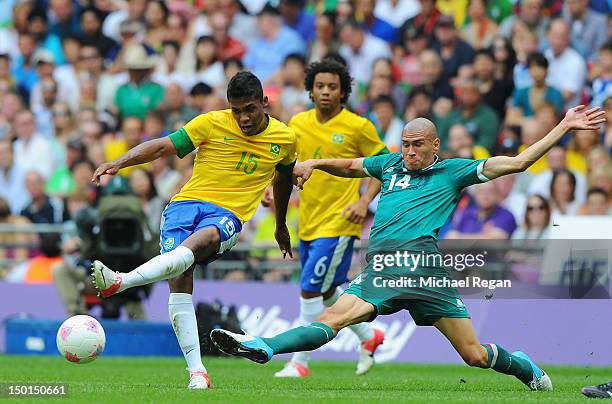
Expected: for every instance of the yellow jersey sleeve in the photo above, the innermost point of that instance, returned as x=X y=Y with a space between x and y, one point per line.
x=192 y=135
x=287 y=163
x=368 y=141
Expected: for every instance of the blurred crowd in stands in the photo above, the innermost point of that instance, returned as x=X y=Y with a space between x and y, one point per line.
x=83 y=81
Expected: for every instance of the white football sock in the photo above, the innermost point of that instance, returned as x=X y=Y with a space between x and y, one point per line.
x=310 y=310
x=163 y=266
x=183 y=319
x=363 y=330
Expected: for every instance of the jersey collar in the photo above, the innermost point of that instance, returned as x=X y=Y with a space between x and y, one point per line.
x=429 y=167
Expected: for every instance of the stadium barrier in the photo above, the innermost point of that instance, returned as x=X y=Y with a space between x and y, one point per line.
x=554 y=331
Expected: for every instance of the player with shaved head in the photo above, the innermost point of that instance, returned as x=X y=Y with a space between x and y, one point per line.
x=419 y=193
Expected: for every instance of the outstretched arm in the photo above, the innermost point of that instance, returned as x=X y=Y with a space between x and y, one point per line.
x=143 y=153
x=349 y=168
x=575 y=118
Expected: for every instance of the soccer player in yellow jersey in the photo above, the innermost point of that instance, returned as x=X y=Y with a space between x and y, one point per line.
x=240 y=151
x=331 y=210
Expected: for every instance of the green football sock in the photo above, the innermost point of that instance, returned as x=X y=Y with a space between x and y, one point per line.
x=504 y=362
x=305 y=338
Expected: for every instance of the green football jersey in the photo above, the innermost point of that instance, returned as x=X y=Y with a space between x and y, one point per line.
x=416 y=204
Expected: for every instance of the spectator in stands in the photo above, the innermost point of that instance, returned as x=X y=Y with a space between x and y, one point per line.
x=387 y=123
x=298 y=19
x=131 y=136
x=599 y=157
x=360 y=49
x=396 y=12
x=42 y=112
x=510 y=195
x=167 y=70
x=525 y=43
x=155 y=16
x=131 y=34
x=432 y=78
x=208 y=68
x=154 y=125
x=494 y=92
x=557 y=160
x=20 y=252
x=597 y=203
x=588 y=27
x=66 y=82
x=12 y=179
x=485 y=218
x=505 y=59
x=140 y=94
x=6 y=79
x=31 y=150
x=414 y=43
x=601 y=87
x=62 y=182
x=379 y=85
x=199 y=97
x=293 y=94
x=426 y=19
x=67 y=22
x=42 y=208
x=419 y=104
x=143 y=185
x=567 y=70
x=536 y=225
x=10 y=105
x=228 y=47
x=38 y=26
x=531 y=14
x=479 y=119
x=63 y=122
x=325 y=41
x=579 y=147
x=135 y=11
x=461 y=144
x=174 y=107
x=91 y=21
x=364 y=10
x=601 y=177
x=563 y=193
x=274 y=42
x=528 y=99
x=23 y=68
x=479 y=32
x=92 y=68
x=453 y=51
x=165 y=177
x=531 y=132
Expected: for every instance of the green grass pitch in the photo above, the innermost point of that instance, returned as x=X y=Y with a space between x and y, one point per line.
x=159 y=380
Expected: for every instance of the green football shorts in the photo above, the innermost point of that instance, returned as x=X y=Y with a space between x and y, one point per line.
x=422 y=292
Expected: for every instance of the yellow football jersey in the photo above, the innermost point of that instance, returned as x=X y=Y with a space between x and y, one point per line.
x=324 y=198
x=232 y=169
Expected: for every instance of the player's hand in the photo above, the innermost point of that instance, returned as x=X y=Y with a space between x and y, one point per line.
x=587 y=119
x=268 y=196
x=301 y=173
x=356 y=213
x=107 y=168
x=284 y=240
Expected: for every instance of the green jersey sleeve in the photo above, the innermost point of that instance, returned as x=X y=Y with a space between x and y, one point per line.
x=466 y=172
x=374 y=165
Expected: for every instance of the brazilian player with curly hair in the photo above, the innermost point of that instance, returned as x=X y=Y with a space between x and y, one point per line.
x=330 y=221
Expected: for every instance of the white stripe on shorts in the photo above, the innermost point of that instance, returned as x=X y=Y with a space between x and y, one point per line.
x=336 y=260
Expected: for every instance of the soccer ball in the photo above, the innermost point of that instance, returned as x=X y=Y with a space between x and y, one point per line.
x=80 y=339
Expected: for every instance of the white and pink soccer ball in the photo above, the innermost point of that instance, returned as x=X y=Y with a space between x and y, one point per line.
x=80 y=339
